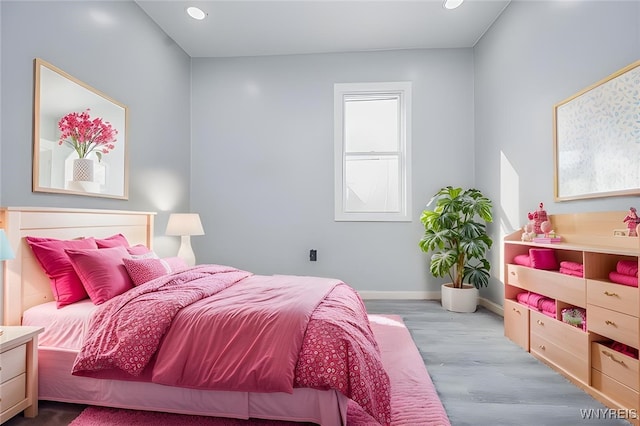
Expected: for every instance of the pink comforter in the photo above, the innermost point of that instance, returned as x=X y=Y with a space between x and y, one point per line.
x=226 y=335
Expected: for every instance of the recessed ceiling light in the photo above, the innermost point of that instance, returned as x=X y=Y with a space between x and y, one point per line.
x=452 y=4
x=196 y=13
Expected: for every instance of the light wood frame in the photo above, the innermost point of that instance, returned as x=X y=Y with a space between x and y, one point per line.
x=595 y=134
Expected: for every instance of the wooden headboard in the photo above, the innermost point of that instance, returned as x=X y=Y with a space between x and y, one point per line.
x=25 y=283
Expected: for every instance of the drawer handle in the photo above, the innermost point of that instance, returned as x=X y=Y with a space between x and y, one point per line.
x=542 y=347
x=612 y=358
x=610 y=294
x=610 y=323
x=516 y=310
x=513 y=273
x=540 y=322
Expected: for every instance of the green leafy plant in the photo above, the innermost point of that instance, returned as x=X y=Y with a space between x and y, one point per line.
x=456 y=235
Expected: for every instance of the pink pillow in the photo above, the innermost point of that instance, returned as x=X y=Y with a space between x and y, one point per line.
x=144 y=270
x=141 y=250
x=102 y=271
x=50 y=254
x=112 y=241
x=543 y=259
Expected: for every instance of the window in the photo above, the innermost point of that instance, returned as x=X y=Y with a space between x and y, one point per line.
x=372 y=151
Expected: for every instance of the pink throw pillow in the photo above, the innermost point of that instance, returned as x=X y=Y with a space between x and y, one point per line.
x=112 y=241
x=50 y=253
x=102 y=272
x=543 y=259
x=142 y=251
x=145 y=270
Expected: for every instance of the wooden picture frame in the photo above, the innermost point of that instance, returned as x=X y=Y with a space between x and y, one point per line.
x=102 y=172
x=596 y=138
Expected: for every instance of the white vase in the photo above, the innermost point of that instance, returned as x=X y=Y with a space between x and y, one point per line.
x=463 y=299
x=83 y=169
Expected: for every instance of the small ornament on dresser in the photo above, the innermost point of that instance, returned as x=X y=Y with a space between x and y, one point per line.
x=632 y=222
x=539 y=216
x=527 y=230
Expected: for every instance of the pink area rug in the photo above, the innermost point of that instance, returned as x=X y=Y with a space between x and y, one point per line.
x=414 y=401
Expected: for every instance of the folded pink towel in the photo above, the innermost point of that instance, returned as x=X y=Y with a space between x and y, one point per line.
x=548 y=305
x=574 y=266
x=623 y=279
x=549 y=314
x=627 y=267
x=571 y=272
x=522 y=259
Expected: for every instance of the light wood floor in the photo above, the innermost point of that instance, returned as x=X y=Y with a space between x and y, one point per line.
x=482 y=377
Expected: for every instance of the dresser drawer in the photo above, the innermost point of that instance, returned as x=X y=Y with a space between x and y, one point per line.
x=516 y=323
x=614 y=390
x=617 y=326
x=573 y=363
x=555 y=285
x=13 y=363
x=564 y=335
x=13 y=391
x=616 y=365
x=617 y=297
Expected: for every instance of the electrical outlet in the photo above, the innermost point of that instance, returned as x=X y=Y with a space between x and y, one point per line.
x=313 y=255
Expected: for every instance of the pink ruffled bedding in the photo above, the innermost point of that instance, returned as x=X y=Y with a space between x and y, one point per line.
x=333 y=345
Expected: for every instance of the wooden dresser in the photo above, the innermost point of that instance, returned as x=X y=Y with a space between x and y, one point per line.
x=612 y=310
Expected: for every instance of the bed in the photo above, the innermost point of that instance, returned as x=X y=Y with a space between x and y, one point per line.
x=28 y=295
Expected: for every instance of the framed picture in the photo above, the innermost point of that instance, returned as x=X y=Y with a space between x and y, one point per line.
x=79 y=137
x=597 y=139
x=619 y=232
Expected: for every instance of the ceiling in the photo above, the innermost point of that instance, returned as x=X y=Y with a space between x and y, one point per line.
x=266 y=27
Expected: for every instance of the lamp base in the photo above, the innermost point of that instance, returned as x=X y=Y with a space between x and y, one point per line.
x=186 y=252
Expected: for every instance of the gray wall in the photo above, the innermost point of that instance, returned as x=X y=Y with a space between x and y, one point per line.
x=115 y=48
x=262 y=164
x=536 y=55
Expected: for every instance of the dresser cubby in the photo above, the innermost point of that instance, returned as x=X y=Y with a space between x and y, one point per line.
x=612 y=310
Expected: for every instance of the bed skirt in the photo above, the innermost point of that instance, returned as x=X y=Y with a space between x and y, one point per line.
x=55 y=383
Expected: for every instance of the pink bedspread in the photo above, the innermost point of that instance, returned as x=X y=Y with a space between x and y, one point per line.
x=333 y=345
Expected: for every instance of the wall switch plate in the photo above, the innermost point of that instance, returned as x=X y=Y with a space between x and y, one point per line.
x=313 y=255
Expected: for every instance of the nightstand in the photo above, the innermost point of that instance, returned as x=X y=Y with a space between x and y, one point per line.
x=18 y=371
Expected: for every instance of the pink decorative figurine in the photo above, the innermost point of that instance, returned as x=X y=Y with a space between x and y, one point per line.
x=632 y=222
x=539 y=216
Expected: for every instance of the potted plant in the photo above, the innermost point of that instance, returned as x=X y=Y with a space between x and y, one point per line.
x=456 y=235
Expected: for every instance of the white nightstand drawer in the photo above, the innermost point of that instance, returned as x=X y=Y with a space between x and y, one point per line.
x=13 y=391
x=13 y=363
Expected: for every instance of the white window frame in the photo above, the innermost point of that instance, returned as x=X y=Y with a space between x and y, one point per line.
x=403 y=91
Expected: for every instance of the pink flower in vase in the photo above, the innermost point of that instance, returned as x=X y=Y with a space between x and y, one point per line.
x=86 y=135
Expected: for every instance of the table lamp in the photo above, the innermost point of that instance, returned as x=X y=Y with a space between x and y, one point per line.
x=5 y=254
x=185 y=225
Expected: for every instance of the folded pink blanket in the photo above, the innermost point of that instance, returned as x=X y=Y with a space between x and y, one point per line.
x=548 y=306
x=574 y=266
x=627 y=267
x=623 y=279
x=522 y=259
x=572 y=272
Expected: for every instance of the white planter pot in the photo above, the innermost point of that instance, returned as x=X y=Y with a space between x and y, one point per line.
x=463 y=299
x=83 y=170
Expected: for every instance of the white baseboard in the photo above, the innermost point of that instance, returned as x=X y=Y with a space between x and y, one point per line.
x=423 y=295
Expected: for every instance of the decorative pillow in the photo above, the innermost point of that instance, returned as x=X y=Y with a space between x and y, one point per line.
x=144 y=270
x=102 y=271
x=141 y=251
x=112 y=241
x=543 y=259
x=50 y=253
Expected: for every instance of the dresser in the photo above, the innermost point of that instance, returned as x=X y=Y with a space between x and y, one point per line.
x=18 y=371
x=590 y=357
